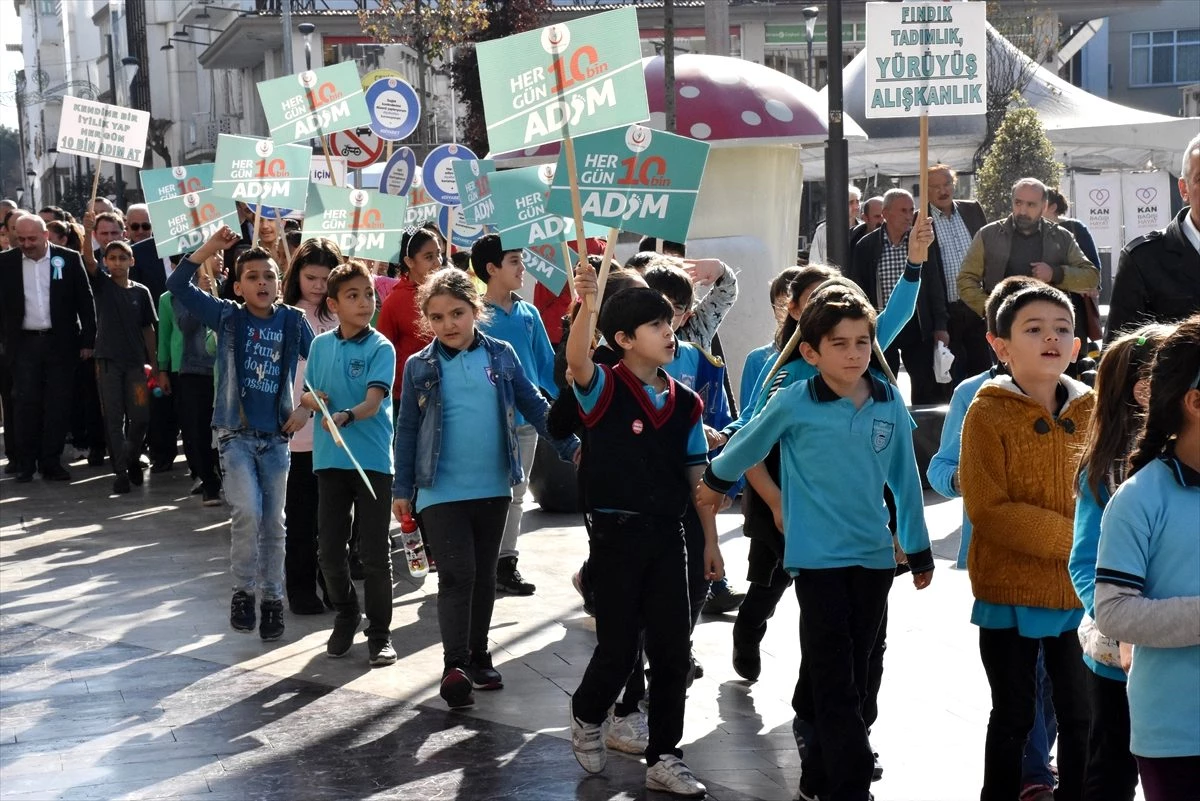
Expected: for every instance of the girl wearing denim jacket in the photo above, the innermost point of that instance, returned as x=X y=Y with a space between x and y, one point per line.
x=457 y=460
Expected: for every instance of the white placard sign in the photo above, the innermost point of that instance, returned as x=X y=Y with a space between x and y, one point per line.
x=1097 y=204
x=1146 y=199
x=926 y=57
x=98 y=130
x=320 y=171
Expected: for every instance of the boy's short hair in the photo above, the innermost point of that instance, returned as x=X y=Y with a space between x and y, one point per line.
x=488 y=250
x=781 y=284
x=343 y=273
x=110 y=216
x=672 y=282
x=631 y=308
x=827 y=307
x=252 y=254
x=643 y=260
x=650 y=243
x=1002 y=292
x=118 y=244
x=1007 y=313
x=459 y=258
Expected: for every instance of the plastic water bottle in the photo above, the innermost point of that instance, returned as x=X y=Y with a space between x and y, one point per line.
x=414 y=547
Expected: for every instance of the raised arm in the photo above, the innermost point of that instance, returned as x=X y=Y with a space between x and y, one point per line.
x=579 y=345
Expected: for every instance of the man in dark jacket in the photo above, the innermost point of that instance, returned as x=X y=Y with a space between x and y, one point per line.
x=1158 y=276
x=880 y=258
x=955 y=223
x=47 y=324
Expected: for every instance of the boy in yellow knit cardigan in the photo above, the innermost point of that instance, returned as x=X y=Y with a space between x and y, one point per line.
x=1019 y=444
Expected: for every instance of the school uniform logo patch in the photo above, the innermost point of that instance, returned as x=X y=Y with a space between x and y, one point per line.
x=491 y=375
x=638 y=426
x=881 y=434
x=356 y=367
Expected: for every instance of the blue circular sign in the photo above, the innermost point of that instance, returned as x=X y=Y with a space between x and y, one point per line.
x=399 y=172
x=270 y=212
x=437 y=173
x=462 y=234
x=394 y=108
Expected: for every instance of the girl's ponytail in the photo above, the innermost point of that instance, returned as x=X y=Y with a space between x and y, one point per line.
x=1176 y=370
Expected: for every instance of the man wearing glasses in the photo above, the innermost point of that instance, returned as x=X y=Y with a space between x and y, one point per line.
x=137 y=223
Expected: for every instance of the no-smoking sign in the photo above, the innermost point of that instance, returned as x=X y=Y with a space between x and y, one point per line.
x=361 y=147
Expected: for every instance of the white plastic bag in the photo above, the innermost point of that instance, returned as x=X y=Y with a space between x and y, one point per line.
x=943 y=359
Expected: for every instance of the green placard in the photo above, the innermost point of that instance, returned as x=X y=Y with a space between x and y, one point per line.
x=635 y=179
x=422 y=208
x=545 y=263
x=523 y=218
x=184 y=222
x=474 y=188
x=175 y=181
x=314 y=103
x=363 y=223
x=572 y=78
x=260 y=171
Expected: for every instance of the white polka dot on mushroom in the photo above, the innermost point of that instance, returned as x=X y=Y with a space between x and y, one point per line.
x=689 y=91
x=751 y=118
x=778 y=110
x=531 y=151
x=658 y=120
x=701 y=131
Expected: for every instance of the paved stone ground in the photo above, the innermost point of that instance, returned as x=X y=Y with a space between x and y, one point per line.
x=120 y=676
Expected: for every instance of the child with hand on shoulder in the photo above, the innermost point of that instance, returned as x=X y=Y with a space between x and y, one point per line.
x=457 y=460
x=259 y=343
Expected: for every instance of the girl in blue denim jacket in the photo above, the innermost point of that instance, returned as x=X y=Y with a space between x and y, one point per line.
x=457 y=460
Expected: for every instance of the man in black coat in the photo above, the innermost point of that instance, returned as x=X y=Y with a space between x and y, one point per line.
x=880 y=259
x=148 y=269
x=1158 y=275
x=47 y=324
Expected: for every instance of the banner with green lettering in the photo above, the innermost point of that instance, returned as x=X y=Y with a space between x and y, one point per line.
x=364 y=223
x=184 y=222
x=314 y=103
x=260 y=171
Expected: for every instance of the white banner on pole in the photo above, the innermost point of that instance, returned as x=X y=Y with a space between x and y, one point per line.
x=1146 y=198
x=321 y=175
x=1097 y=204
x=92 y=128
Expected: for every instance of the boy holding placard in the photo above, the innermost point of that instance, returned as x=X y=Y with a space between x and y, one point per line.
x=258 y=345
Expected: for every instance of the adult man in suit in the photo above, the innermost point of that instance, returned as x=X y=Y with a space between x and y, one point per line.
x=149 y=269
x=872 y=218
x=955 y=223
x=880 y=259
x=48 y=323
x=1158 y=276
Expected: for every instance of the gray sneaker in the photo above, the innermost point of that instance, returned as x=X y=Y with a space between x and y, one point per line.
x=587 y=741
x=670 y=775
x=381 y=653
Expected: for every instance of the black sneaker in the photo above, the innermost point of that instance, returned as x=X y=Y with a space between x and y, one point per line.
x=481 y=673
x=747 y=661
x=456 y=688
x=210 y=497
x=380 y=653
x=136 y=477
x=271 y=627
x=342 y=636
x=306 y=606
x=508 y=578
x=121 y=485
x=241 y=611
x=722 y=599
x=95 y=457
x=55 y=472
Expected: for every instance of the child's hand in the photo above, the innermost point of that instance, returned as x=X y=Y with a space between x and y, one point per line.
x=921 y=580
x=707 y=498
x=714 y=564
x=714 y=437
x=89 y=221
x=164 y=382
x=777 y=513
x=222 y=239
x=919 y=240
x=296 y=420
x=585 y=280
x=704 y=271
x=1126 y=651
x=400 y=508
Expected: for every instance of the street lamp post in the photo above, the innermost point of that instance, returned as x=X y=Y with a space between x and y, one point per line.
x=306 y=30
x=32 y=176
x=810 y=28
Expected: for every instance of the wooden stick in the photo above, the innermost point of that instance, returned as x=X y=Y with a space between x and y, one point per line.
x=95 y=182
x=566 y=257
x=924 y=183
x=280 y=231
x=610 y=245
x=576 y=204
x=337 y=436
x=257 y=219
x=328 y=160
x=388 y=157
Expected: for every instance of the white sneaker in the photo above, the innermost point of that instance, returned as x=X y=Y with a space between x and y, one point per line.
x=629 y=734
x=671 y=775
x=587 y=741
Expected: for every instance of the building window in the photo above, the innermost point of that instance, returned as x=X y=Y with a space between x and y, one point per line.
x=1159 y=58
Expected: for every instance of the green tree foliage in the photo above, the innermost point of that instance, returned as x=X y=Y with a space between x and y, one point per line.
x=1020 y=150
x=12 y=170
x=504 y=18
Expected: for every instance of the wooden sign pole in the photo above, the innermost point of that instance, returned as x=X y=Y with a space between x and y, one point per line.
x=610 y=245
x=924 y=176
x=257 y=220
x=328 y=160
x=566 y=257
x=281 y=232
x=95 y=181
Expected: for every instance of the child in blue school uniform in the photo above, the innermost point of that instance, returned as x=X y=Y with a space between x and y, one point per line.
x=1148 y=573
x=1122 y=389
x=259 y=343
x=842 y=427
x=457 y=460
x=352 y=367
x=517 y=322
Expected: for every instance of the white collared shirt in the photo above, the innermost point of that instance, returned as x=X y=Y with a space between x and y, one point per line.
x=36 y=276
x=1189 y=230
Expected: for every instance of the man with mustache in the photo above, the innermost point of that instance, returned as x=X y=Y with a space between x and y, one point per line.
x=1024 y=244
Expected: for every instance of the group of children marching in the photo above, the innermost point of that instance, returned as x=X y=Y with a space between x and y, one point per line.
x=1083 y=505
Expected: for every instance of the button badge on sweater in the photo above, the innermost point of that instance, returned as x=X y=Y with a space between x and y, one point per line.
x=637 y=426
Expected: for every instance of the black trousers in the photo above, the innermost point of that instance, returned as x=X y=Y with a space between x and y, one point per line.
x=194 y=404
x=6 y=409
x=162 y=438
x=1169 y=778
x=466 y=536
x=43 y=384
x=87 y=419
x=968 y=342
x=343 y=498
x=841 y=610
x=300 y=509
x=1010 y=662
x=637 y=566
x=917 y=354
x=1112 y=772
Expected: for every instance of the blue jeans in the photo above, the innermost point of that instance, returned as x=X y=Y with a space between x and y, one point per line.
x=256 y=468
x=1035 y=765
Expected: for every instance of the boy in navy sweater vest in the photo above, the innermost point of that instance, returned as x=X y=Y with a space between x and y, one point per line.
x=643 y=449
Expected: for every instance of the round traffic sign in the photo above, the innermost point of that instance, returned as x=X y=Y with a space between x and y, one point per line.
x=437 y=172
x=394 y=108
x=398 y=173
x=270 y=212
x=462 y=234
x=359 y=146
